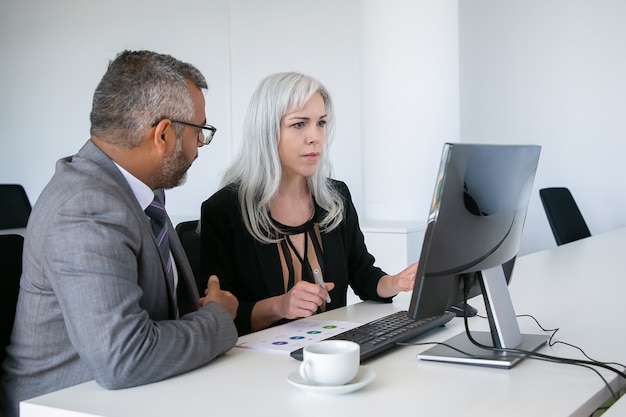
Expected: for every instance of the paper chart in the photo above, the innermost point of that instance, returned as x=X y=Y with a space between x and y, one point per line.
x=294 y=335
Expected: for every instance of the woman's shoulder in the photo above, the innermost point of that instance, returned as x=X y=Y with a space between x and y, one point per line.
x=226 y=195
x=337 y=184
x=340 y=187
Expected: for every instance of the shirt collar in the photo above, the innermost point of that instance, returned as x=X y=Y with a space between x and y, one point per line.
x=143 y=193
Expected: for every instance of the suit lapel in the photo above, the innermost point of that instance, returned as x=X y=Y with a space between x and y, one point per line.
x=92 y=152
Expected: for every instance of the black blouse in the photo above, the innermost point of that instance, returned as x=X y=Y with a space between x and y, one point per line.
x=253 y=271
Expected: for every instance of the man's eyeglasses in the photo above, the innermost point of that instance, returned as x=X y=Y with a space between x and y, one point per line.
x=202 y=139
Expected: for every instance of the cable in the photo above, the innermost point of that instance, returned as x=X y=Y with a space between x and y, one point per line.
x=590 y=363
x=540 y=356
x=552 y=343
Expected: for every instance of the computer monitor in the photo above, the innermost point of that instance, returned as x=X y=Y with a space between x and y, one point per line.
x=471 y=242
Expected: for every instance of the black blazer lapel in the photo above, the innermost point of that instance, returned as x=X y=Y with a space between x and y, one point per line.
x=269 y=268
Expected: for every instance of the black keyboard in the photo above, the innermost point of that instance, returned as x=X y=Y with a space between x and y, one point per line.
x=379 y=335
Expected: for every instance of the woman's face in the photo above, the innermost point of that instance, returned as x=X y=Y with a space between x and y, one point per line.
x=302 y=136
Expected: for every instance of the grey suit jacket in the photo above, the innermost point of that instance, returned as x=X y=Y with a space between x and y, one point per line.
x=94 y=301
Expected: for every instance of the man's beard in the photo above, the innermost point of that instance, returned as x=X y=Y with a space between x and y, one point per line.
x=174 y=170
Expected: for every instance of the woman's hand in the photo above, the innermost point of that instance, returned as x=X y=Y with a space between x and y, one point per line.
x=390 y=285
x=302 y=300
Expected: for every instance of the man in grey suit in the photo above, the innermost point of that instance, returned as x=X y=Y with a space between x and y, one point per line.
x=100 y=298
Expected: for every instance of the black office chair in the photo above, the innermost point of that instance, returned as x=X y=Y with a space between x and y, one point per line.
x=566 y=221
x=15 y=206
x=190 y=239
x=11 y=270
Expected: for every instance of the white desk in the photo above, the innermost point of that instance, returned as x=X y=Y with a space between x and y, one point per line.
x=569 y=287
x=18 y=231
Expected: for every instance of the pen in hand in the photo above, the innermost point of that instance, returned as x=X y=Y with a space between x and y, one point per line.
x=320 y=281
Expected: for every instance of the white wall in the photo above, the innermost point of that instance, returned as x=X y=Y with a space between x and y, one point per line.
x=546 y=72
x=410 y=102
x=54 y=54
x=551 y=73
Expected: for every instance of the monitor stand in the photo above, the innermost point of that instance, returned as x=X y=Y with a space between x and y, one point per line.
x=504 y=331
x=479 y=356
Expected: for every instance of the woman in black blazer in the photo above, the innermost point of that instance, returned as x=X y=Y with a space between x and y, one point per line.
x=281 y=235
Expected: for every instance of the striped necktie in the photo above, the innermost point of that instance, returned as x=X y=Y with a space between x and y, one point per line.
x=156 y=212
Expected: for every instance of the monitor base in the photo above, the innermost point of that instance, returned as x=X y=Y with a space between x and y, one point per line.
x=474 y=355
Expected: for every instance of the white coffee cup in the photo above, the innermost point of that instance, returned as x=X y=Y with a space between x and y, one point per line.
x=330 y=362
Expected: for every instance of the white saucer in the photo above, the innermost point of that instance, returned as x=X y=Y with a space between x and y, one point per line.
x=362 y=378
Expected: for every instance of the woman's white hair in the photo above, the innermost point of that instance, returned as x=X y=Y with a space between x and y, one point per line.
x=256 y=171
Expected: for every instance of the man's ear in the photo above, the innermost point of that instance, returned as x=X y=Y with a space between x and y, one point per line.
x=164 y=137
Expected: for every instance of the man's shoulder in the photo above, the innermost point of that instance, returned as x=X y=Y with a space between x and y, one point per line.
x=81 y=186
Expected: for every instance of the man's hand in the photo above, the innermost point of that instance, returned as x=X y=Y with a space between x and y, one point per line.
x=224 y=298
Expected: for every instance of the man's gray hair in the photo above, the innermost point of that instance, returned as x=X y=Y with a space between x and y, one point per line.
x=139 y=89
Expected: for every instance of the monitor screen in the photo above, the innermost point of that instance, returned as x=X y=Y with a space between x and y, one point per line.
x=472 y=239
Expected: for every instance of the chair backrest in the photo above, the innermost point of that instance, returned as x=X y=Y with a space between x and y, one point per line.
x=190 y=239
x=566 y=221
x=11 y=266
x=14 y=206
